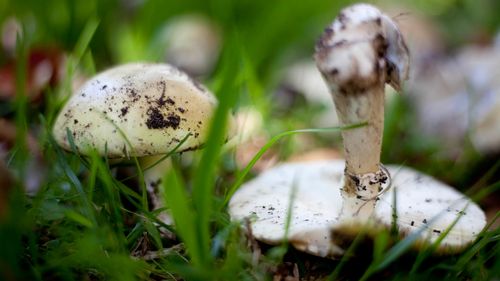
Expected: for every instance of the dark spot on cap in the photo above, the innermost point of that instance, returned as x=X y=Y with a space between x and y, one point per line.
x=173 y=120
x=157 y=121
x=104 y=87
x=436 y=231
x=412 y=223
x=328 y=31
x=75 y=121
x=380 y=45
x=162 y=101
x=424 y=221
x=132 y=93
x=181 y=110
x=124 y=111
x=342 y=18
x=340 y=43
x=428 y=200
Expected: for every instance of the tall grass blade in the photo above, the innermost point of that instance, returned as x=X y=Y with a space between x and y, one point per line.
x=183 y=214
x=204 y=182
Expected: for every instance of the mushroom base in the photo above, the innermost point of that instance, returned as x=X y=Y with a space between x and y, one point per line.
x=153 y=174
x=361 y=193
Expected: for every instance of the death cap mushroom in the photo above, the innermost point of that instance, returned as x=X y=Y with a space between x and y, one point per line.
x=136 y=109
x=308 y=192
x=356 y=61
x=142 y=110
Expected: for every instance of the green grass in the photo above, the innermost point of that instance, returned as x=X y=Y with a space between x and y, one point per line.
x=90 y=219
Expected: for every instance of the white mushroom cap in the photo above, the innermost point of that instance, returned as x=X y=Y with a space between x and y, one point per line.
x=350 y=49
x=422 y=202
x=316 y=205
x=155 y=106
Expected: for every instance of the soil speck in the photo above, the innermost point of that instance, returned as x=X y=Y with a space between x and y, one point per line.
x=124 y=111
x=157 y=121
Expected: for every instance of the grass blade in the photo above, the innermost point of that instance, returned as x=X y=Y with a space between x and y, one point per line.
x=204 y=182
x=183 y=214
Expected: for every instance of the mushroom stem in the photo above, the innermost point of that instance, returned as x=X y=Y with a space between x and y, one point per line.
x=362 y=147
x=153 y=177
x=360 y=52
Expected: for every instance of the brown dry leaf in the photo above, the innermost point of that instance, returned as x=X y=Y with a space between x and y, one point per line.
x=8 y=137
x=287 y=272
x=6 y=182
x=43 y=69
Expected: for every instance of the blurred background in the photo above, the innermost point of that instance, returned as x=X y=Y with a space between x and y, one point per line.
x=450 y=103
x=449 y=111
x=446 y=122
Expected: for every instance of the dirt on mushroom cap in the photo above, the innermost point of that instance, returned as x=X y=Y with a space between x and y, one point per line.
x=363 y=47
x=155 y=106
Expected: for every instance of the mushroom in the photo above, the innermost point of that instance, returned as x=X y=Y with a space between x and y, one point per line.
x=361 y=51
x=141 y=110
x=308 y=192
x=192 y=43
x=459 y=96
x=303 y=202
